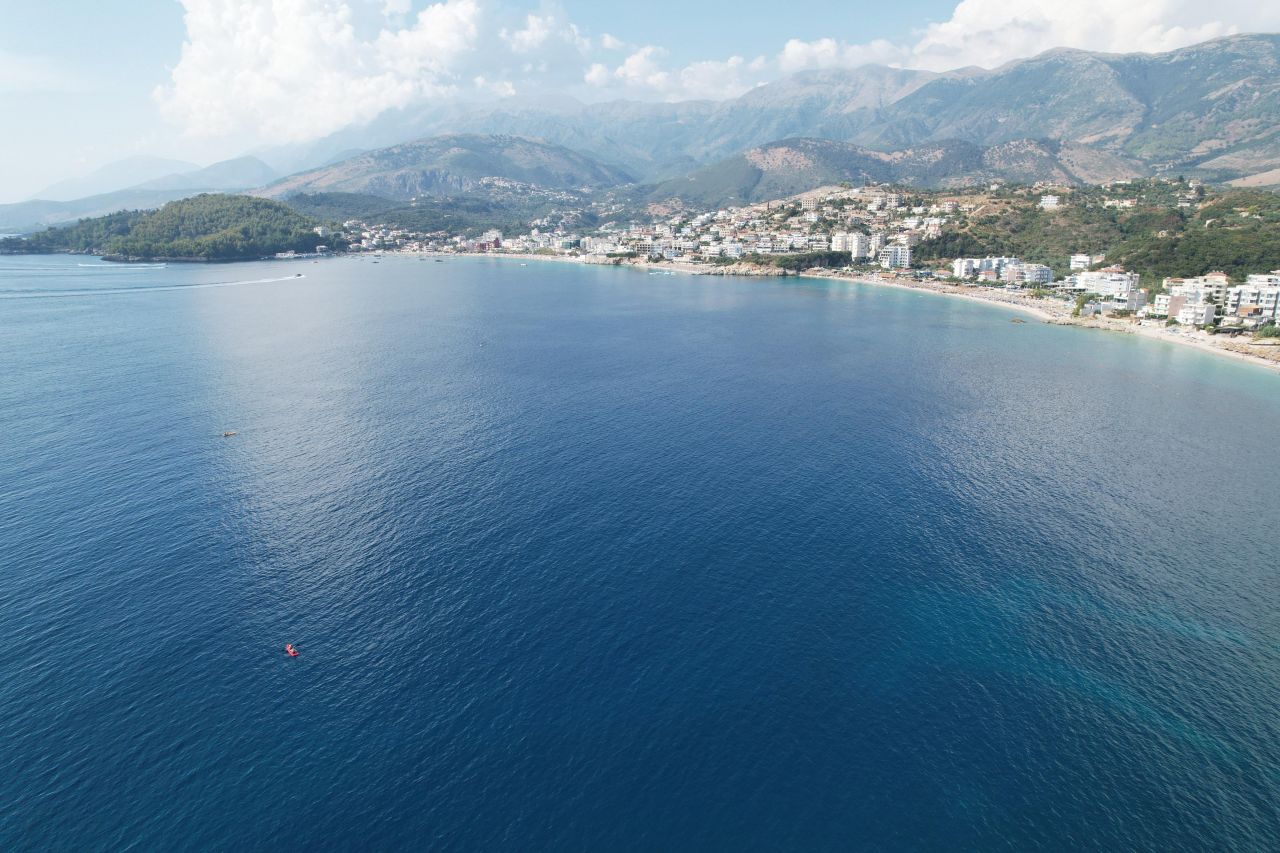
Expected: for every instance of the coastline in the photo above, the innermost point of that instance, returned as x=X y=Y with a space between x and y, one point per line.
x=1047 y=311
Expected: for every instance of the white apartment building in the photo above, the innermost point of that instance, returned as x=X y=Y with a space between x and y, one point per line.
x=1266 y=297
x=1049 y=202
x=895 y=257
x=1083 y=262
x=859 y=246
x=1034 y=274
x=1112 y=281
x=997 y=264
x=1197 y=315
x=964 y=267
x=1212 y=287
x=1133 y=300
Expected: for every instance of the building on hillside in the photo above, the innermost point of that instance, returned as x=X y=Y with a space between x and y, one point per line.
x=895 y=257
x=1049 y=202
x=1083 y=262
x=859 y=247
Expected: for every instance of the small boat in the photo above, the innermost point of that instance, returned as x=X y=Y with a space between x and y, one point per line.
x=290 y=650
x=229 y=433
x=439 y=260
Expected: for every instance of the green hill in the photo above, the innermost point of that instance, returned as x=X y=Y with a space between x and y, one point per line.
x=1235 y=231
x=204 y=228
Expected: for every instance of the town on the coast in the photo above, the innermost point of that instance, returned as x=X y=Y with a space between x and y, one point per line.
x=898 y=236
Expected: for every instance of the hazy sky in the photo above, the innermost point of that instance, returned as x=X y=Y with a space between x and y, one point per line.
x=83 y=83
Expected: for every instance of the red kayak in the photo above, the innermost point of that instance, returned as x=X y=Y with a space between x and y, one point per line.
x=290 y=650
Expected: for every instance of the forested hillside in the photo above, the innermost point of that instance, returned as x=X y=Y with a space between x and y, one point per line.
x=206 y=227
x=1235 y=231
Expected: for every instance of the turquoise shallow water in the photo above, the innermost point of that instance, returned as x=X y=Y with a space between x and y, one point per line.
x=582 y=558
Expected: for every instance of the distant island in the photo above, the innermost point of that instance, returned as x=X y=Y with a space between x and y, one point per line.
x=212 y=227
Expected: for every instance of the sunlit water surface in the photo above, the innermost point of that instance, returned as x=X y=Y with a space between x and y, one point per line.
x=589 y=559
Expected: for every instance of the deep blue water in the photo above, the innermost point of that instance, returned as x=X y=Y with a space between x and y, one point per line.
x=586 y=559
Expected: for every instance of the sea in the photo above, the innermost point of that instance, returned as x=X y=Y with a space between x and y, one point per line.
x=588 y=558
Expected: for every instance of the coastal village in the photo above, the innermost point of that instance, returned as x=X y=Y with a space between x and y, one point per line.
x=875 y=234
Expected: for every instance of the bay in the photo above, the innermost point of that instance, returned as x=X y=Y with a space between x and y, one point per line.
x=583 y=558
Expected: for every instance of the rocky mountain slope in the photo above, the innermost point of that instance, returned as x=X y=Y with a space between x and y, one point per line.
x=451 y=166
x=1212 y=109
x=790 y=166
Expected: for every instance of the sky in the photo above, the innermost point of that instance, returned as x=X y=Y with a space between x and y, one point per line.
x=85 y=82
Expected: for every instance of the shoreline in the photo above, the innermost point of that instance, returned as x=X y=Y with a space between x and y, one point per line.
x=985 y=296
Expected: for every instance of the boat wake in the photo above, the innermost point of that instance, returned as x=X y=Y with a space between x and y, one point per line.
x=117 y=291
x=123 y=266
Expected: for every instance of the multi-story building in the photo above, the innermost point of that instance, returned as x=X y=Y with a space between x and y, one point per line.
x=1211 y=287
x=1034 y=274
x=1271 y=279
x=895 y=257
x=1265 y=297
x=1201 y=314
x=859 y=246
x=1109 y=282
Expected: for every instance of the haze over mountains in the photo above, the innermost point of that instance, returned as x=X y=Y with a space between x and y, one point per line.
x=132 y=184
x=453 y=165
x=1210 y=110
x=1213 y=107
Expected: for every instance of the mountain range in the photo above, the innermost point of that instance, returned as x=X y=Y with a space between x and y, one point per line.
x=1211 y=110
x=453 y=165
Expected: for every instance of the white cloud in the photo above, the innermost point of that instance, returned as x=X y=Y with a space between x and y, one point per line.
x=644 y=70
x=536 y=31
x=292 y=70
x=598 y=75
x=828 y=53
x=989 y=33
x=501 y=88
